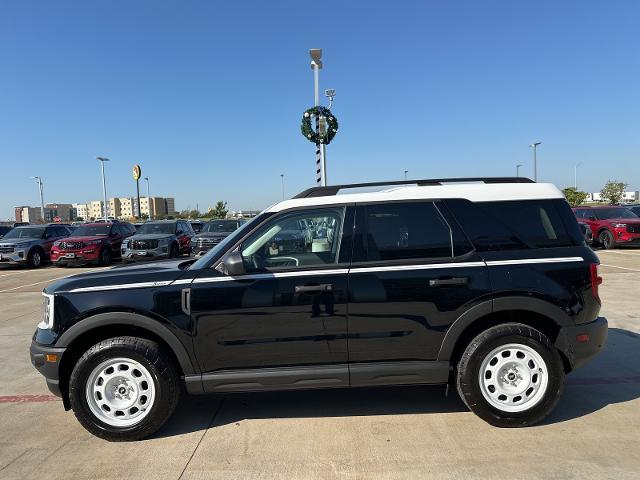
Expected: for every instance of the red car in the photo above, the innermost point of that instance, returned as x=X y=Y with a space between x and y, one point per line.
x=95 y=243
x=611 y=225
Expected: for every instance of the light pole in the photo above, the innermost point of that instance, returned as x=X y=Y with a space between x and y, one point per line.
x=316 y=65
x=149 y=200
x=39 y=182
x=575 y=175
x=282 y=179
x=104 y=186
x=405 y=175
x=535 y=160
x=518 y=169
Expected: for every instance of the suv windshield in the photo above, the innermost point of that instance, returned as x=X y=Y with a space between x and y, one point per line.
x=613 y=212
x=220 y=226
x=91 y=230
x=25 y=232
x=151 y=228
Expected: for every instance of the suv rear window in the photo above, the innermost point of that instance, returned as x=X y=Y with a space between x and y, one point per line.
x=517 y=224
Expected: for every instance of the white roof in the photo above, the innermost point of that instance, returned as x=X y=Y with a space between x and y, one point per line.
x=475 y=192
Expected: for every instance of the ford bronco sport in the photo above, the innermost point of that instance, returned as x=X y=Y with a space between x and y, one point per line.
x=486 y=284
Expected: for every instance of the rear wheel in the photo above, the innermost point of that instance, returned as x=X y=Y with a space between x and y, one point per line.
x=35 y=258
x=124 y=388
x=510 y=375
x=606 y=239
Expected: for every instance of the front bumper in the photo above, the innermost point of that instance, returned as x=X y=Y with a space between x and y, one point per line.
x=141 y=255
x=46 y=359
x=78 y=258
x=582 y=342
x=16 y=257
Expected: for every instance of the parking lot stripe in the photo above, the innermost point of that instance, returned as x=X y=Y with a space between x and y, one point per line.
x=15 y=273
x=623 y=268
x=29 y=398
x=43 y=281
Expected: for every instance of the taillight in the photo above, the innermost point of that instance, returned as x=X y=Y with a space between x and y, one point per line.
x=596 y=280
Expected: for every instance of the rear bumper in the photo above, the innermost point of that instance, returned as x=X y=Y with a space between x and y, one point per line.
x=42 y=358
x=581 y=343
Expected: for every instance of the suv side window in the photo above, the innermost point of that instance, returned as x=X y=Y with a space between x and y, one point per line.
x=297 y=239
x=399 y=231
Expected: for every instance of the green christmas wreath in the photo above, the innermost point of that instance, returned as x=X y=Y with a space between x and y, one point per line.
x=331 y=125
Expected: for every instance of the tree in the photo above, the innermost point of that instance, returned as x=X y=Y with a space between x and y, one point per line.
x=574 y=197
x=613 y=191
x=219 y=211
x=194 y=214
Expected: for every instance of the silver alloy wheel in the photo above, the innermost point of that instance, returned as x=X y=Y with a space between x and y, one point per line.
x=36 y=259
x=513 y=377
x=120 y=392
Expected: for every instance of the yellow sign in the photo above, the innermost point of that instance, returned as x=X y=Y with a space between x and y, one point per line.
x=137 y=171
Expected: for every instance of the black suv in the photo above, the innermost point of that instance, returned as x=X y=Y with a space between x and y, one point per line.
x=488 y=286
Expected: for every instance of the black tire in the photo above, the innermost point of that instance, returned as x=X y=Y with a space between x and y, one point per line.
x=173 y=251
x=35 y=258
x=149 y=354
x=605 y=237
x=468 y=372
x=105 y=257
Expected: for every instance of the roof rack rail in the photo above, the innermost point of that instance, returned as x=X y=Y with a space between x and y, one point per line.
x=334 y=189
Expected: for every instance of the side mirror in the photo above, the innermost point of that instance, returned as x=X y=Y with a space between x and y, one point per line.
x=234 y=264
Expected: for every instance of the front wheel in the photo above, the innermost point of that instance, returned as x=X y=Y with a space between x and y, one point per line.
x=124 y=388
x=34 y=258
x=510 y=375
x=606 y=239
x=105 y=257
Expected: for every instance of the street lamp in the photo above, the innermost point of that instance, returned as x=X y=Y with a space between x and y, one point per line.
x=405 y=175
x=148 y=199
x=282 y=179
x=535 y=160
x=104 y=186
x=39 y=182
x=575 y=175
x=518 y=169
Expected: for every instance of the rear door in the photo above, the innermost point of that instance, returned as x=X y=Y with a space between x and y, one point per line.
x=413 y=274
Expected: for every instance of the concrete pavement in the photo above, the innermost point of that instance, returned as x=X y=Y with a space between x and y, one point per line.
x=409 y=432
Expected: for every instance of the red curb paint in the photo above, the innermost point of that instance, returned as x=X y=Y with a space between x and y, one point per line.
x=28 y=398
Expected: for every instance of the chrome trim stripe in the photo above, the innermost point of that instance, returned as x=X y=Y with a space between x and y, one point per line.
x=121 y=286
x=526 y=261
x=428 y=266
x=340 y=271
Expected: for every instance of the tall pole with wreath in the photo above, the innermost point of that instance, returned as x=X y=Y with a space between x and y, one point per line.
x=326 y=125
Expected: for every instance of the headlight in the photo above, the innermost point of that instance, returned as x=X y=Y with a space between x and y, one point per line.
x=20 y=246
x=57 y=243
x=93 y=242
x=619 y=225
x=125 y=244
x=47 y=312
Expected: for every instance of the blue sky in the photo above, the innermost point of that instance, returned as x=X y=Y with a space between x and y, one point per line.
x=207 y=96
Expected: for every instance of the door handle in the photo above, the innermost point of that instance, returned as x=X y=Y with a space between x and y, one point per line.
x=438 y=282
x=313 y=289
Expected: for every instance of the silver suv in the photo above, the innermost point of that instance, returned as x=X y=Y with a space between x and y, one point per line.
x=160 y=239
x=30 y=245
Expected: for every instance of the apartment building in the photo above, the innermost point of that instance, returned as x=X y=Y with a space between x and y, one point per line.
x=28 y=214
x=95 y=209
x=65 y=211
x=82 y=211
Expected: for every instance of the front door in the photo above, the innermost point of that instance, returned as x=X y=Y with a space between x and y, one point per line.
x=284 y=323
x=413 y=274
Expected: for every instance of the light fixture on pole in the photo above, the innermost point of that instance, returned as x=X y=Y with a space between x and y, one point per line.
x=405 y=175
x=282 y=179
x=535 y=160
x=39 y=182
x=104 y=186
x=149 y=199
x=518 y=169
x=575 y=175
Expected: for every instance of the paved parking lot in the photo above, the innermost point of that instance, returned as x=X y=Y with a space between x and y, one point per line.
x=414 y=432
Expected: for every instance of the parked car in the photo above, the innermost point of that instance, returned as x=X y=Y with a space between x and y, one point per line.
x=212 y=233
x=487 y=285
x=612 y=225
x=30 y=245
x=586 y=231
x=158 y=239
x=4 y=229
x=196 y=225
x=96 y=243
